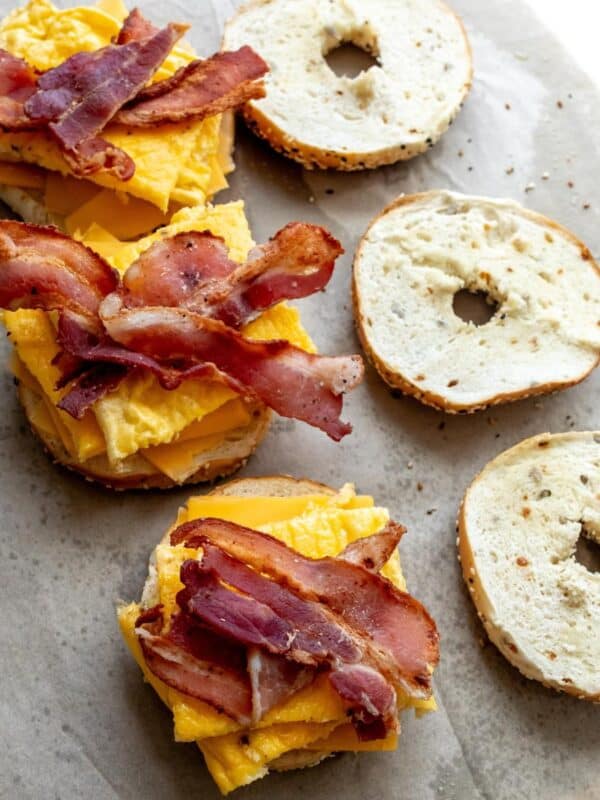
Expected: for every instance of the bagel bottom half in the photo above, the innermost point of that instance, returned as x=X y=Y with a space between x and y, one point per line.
x=519 y=530
x=136 y=472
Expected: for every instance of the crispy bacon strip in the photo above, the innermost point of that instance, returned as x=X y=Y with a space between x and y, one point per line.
x=17 y=83
x=370 y=699
x=111 y=363
x=193 y=271
x=372 y=552
x=289 y=380
x=239 y=604
x=175 y=271
x=261 y=613
x=196 y=663
x=136 y=27
x=43 y=268
x=80 y=96
x=403 y=637
x=200 y=89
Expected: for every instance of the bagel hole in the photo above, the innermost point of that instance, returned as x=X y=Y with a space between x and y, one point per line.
x=587 y=549
x=348 y=60
x=475 y=307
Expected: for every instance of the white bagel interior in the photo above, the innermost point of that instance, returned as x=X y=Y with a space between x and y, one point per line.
x=423 y=249
x=389 y=112
x=518 y=528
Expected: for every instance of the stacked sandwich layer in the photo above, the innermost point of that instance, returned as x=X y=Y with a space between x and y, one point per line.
x=176 y=164
x=312 y=720
x=141 y=428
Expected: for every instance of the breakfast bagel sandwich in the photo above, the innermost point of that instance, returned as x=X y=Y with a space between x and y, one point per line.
x=109 y=121
x=276 y=626
x=160 y=364
x=540 y=282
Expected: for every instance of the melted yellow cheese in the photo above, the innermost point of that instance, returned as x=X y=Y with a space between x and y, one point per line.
x=313 y=718
x=123 y=216
x=175 y=163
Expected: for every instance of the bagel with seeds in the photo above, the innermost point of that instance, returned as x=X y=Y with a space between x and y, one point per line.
x=519 y=526
x=425 y=248
x=390 y=112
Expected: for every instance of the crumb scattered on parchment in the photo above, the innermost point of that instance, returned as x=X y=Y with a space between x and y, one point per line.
x=509 y=170
x=530 y=187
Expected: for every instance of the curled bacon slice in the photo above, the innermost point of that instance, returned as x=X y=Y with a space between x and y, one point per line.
x=372 y=552
x=193 y=271
x=197 y=664
x=17 y=83
x=198 y=90
x=43 y=268
x=248 y=608
x=261 y=613
x=370 y=699
x=175 y=271
x=135 y=27
x=110 y=364
x=78 y=98
x=290 y=381
x=403 y=637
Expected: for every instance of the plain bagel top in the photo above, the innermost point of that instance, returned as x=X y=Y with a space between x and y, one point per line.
x=424 y=249
x=389 y=112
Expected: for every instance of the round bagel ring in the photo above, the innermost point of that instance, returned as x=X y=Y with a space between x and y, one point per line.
x=391 y=112
x=425 y=248
x=518 y=529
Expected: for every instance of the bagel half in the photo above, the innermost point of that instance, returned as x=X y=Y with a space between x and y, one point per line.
x=518 y=529
x=390 y=112
x=423 y=249
x=136 y=472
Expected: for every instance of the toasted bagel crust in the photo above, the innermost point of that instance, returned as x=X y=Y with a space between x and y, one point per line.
x=348 y=124
x=434 y=390
x=538 y=605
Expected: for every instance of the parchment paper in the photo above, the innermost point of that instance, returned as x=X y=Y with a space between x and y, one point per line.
x=76 y=721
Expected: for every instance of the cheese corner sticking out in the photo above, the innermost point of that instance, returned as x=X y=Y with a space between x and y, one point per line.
x=34 y=339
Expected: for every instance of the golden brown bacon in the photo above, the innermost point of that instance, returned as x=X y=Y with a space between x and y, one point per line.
x=401 y=636
x=372 y=552
x=79 y=97
x=135 y=27
x=292 y=382
x=17 y=84
x=42 y=268
x=198 y=90
x=193 y=271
